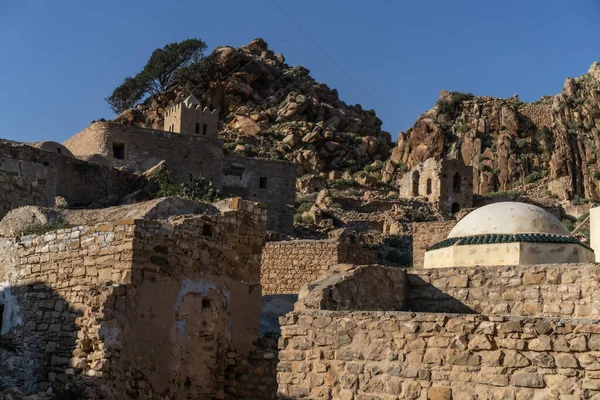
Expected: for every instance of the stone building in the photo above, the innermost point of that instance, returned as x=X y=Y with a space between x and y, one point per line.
x=33 y=176
x=447 y=183
x=189 y=143
x=507 y=233
x=150 y=306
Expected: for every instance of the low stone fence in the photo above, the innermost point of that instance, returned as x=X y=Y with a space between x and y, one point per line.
x=391 y=355
x=286 y=266
x=566 y=290
x=348 y=287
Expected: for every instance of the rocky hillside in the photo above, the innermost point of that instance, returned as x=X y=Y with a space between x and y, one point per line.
x=511 y=144
x=272 y=110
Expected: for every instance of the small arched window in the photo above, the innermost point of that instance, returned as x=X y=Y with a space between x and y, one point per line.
x=416 y=177
x=428 y=185
x=204 y=129
x=197 y=127
x=456 y=183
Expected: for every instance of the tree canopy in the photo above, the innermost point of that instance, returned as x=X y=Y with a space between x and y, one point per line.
x=161 y=73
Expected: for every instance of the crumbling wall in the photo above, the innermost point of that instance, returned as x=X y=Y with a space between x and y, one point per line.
x=559 y=290
x=350 y=287
x=270 y=182
x=426 y=234
x=447 y=183
x=345 y=355
x=143 y=148
x=45 y=285
x=288 y=265
x=137 y=308
x=31 y=176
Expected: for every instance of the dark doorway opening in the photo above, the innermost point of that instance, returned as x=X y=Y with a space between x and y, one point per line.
x=455 y=208
x=416 y=177
x=119 y=151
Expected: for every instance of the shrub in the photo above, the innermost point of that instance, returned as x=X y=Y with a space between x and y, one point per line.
x=41 y=229
x=394 y=241
x=535 y=176
x=521 y=143
x=197 y=188
x=399 y=258
x=303 y=204
x=373 y=168
x=341 y=182
x=568 y=224
x=304 y=219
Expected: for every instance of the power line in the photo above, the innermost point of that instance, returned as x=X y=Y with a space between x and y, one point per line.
x=326 y=54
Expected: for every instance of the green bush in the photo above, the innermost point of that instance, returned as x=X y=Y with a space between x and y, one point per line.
x=399 y=258
x=303 y=204
x=304 y=219
x=197 y=188
x=535 y=176
x=570 y=225
x=41 y=229
x=373 y=168
x=341 y=182
x=394 y=241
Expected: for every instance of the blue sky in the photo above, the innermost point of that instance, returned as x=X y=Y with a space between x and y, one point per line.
x=60 y=59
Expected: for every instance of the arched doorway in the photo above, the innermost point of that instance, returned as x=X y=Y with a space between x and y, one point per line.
x=416 y=177
x=456 y=183
x=455 y=208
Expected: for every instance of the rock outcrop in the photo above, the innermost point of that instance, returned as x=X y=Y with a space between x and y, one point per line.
x=510 y=143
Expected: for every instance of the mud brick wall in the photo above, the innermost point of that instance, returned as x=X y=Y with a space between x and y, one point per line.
x=287 y=266
x=426 y=234
x=561 y=290
x=386 y=355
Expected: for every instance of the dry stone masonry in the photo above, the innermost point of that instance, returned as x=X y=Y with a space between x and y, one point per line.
x=94 y=302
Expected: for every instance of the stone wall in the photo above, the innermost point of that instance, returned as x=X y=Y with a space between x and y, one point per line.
x=350 y=287
x=426 y=234
x=137 y=308
x=565 y=290
x=144 y=148
x=287 y=266
x=32 y=176
x=390 y=355
x=270 y=182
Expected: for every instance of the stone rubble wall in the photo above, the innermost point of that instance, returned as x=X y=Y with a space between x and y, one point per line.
x=350 y=287
x=45 y=284
x=93 y=302
x=559 y=290
x=391 y=355
x=288 y=265
x=199 y=155
x=31 y=176
x=426 y=234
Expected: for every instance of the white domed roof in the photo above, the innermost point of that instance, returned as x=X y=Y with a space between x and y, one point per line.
x=508 y=218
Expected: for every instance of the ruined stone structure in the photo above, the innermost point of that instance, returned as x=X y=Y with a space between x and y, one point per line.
x=288 y=265
x=32 y=176
x=190 y=144
x=138 y=308
x=448 y=183
x=526 y=342
x=507 y=233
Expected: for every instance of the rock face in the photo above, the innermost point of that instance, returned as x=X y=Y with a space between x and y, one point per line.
x=262 y=100
x=509 y=143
